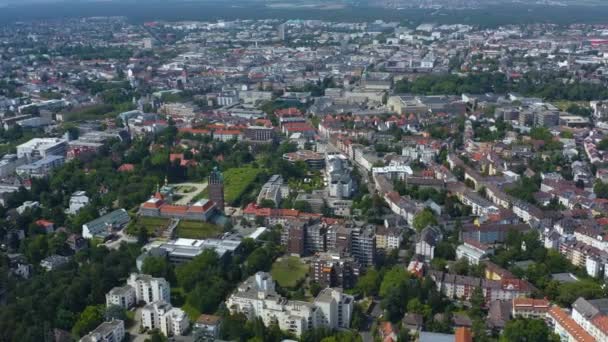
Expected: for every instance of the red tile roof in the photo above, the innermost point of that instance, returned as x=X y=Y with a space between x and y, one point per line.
x=44 y=223
x=463 y=335
x=126 y=168
x=601 y=322
x=530 y=304
x=575 y=330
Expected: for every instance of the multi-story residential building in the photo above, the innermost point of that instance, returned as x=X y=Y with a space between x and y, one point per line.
x=363 y=244
x=530 y=308
x=546 y=119
x=388 y=238
x=315 y=239
x=260 y=135
x=257 y=298
x=586 y=256
x=338 y=175
x=336 y=308
x=149 y=289
x=426 y=241
x=490 y=233
x=164 y=317
x=462 y=287
x=334 y=270
x=124 y=296
x=592 y=316
x=567 y=328
x=293 y=237
x=112 y=331
x=479 y=205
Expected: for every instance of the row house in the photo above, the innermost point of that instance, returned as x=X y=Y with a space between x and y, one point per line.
x=490 y=233
x=567 y=328
x=273 y=217
x=402 y=206
x=592 y=316
x=530 y=308
x=592 y=237
x=592 y=259
x=479 y=205
x=462 y=287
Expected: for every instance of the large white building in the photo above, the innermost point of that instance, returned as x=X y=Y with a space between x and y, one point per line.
x=161 y=315
x=112 y=331
x=257 y=298
x=42 y=147
x=149 y=289
x=338 y=177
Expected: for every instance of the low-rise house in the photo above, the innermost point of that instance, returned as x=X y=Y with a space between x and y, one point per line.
x=413 y=322
x=47 y=226
x=76 y=243
x=54 y=262
x=106 y=224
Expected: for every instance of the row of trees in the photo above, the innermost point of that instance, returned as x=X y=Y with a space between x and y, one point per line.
x=544 y=84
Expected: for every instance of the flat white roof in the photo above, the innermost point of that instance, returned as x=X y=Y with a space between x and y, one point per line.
x=256 y=234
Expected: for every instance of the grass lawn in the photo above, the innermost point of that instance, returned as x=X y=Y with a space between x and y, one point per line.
x=289 y=271
x=237 y=181
x=308 y=184
x=197 y=230
x=152 y=224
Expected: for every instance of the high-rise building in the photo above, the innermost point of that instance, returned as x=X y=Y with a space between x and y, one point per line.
x=216 y=188
x=281 y=32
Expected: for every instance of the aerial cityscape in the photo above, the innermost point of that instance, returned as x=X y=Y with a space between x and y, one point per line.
x=314 y=171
